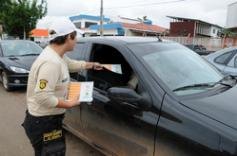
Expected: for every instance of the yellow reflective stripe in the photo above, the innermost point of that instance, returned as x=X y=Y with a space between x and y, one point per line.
x=52 y=135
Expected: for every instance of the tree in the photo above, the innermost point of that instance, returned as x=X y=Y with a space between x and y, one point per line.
x=19 y=17
x=4 y=4
x=229 y=33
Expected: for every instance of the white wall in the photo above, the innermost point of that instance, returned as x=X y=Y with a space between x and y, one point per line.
x=212 y=33
x=41 y=39
x=232 y=16
x=206 y=29
x=131 y=33
x=83 y=21
x=109 y=32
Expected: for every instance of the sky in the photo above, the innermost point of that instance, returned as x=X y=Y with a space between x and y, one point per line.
x=212 y=11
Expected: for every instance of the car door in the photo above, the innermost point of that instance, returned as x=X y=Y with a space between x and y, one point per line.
x=122 y=128
x=72 y=120
x=181 y=131
x=231 y=67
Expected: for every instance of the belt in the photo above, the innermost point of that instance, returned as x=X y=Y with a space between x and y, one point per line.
x=46 y=116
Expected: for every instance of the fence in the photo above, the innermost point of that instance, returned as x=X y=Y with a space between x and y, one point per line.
x=211 y=44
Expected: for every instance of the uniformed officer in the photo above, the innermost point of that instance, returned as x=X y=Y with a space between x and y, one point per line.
x=47 y=89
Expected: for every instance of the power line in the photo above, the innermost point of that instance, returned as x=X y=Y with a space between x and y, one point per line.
x=146 y=4
x=137 y=5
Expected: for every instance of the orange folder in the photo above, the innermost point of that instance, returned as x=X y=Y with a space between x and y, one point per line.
x=74 y=90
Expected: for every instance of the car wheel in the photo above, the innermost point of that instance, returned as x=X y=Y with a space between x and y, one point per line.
x=5 y=81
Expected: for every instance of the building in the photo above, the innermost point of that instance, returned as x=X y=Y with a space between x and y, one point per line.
x=130 y=27
x=85 y=21
x=127 y=29
x=39 y=35
x=193 y=28
x=231 y=22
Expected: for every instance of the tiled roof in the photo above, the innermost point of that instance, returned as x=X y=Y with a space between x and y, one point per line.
x=137 y=27
x=39 y=33
x=144 y=27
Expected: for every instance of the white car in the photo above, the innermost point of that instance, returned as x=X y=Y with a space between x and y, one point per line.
x=225 y=60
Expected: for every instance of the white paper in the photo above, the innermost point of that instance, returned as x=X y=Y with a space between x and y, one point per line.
x=117 y=68
x=86 y=92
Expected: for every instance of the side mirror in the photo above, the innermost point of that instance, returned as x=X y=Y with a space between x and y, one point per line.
x=127 y=95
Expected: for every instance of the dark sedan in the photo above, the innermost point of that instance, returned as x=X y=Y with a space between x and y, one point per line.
x=16 y=58
x=198 y=48
x=181 y=106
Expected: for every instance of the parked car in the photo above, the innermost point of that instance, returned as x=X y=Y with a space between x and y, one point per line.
x=182 y=105
x=225 y=60
x=198 y=48
x=16 y=58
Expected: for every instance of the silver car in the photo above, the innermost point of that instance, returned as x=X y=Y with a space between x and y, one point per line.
x=225 y=60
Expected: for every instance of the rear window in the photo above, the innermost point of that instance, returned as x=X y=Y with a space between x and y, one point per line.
x=224 y=58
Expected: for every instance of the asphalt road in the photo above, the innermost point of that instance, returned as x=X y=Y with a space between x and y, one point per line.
x=13 y=141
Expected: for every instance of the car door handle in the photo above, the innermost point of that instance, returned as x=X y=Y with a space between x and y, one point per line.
x=100 y=97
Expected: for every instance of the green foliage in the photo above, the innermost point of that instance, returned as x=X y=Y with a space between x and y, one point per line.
x=229 y=33
x=19 y=16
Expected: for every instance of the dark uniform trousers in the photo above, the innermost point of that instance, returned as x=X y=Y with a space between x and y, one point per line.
x=45 y=134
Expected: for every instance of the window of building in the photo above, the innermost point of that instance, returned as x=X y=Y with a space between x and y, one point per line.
x=78 y=25
x=87 y=24
x=214 y=31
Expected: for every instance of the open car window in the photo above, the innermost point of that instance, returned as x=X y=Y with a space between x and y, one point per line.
x=105 y=79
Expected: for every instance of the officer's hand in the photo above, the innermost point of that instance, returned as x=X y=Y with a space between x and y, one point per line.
x=97 y=66
x=74 y=102
x=68 y=103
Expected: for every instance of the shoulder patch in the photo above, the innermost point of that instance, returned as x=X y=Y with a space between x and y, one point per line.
x=43 y=83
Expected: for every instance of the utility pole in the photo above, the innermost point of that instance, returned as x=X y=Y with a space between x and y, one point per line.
x=101 y=18
x=1 y=31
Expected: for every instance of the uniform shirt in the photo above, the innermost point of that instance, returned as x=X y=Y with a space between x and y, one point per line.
x=48 y=82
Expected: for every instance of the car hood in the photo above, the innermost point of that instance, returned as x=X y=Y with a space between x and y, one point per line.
x=19 y=61
x=221 y=107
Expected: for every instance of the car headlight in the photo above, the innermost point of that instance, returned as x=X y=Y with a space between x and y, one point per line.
x=18 y=70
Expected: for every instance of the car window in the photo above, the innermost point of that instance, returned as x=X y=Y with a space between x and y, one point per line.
x=224 y=58
x=77 y=53
x=196 y=47
x=235 y=62
x=231 y=63
x=177 y=66
x=105 y=79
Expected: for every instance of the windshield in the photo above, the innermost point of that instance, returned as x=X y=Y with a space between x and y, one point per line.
x=19 y=48
x=178 y=67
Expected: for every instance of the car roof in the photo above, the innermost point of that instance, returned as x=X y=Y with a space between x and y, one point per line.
x=215 y=54
x=122 y=39
x=222 y=51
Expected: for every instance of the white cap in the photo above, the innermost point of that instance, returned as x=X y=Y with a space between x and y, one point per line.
x=61 y=26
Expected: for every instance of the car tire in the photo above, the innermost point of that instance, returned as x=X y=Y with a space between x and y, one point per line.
x=5 y=81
